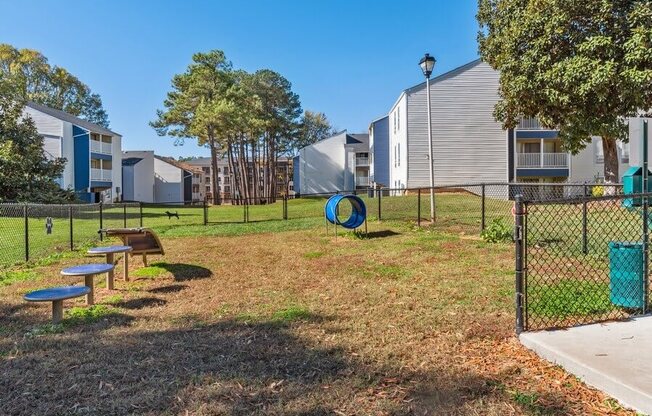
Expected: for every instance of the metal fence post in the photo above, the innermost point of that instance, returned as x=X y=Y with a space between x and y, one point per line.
x=205 y=206
x=646 y=225
x=380 y=196
x=585 y=242
x=285 y=207
x=124 y=215
x=101 y=221
x=140 y=211
x=419 y=207
x=71 y=230
x=519 y=245
x=483 y=220
x=26 y=232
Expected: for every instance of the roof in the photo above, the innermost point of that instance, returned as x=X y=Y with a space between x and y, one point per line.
x=62 y=115
x=172 y=162
x=130 y=161
x=358 y=138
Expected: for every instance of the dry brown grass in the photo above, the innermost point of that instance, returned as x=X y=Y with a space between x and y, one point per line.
x=291 y=323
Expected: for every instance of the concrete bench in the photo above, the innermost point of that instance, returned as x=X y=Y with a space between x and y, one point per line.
x=57 y=295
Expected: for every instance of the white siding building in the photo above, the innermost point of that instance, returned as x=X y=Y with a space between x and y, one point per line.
x=469 y=146
x=93 y=153
x=138 y=176
x=338 y=163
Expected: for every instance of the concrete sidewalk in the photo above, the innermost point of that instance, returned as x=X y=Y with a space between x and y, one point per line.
x=615 y=357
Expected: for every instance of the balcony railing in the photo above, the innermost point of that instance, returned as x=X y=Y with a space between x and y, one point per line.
x=362 y=181
x=101 y=147
x=542 y=160
x=101 y=174
x=362 y=161
x=529 y=124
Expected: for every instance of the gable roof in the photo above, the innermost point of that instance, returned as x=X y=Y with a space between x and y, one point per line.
x=439 y=78
x=62 y=115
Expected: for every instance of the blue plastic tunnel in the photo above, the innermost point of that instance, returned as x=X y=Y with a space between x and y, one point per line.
x=358 y=211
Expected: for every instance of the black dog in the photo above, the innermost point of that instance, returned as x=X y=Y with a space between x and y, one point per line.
x=172 y=214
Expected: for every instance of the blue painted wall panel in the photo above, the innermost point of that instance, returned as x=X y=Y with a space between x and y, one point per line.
x=82 y=161
x=548 y=173
x=537 y=134
x=296 y=175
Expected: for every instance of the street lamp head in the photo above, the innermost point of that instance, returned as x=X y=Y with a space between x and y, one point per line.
x=427 y=64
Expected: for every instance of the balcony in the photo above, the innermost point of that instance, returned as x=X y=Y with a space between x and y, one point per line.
x=362 y=161
x=103 y=175
x=101 y=147
x=529 y=124
x=542 y=160
x=362 y=181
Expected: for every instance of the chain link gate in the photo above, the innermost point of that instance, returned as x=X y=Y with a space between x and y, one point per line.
x=581 y=260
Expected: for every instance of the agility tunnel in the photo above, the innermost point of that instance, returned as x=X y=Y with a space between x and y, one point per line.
x=358 y=211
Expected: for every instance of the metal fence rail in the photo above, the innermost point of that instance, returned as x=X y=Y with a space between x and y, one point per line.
x=32 y=231
x=581 y=260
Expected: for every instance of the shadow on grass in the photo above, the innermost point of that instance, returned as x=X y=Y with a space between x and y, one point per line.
x=182 y=271
x=381 y=234
x=229 y=367
x=168 y=289
x=141 y=303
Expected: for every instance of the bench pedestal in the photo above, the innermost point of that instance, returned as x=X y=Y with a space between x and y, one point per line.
x=57 y=311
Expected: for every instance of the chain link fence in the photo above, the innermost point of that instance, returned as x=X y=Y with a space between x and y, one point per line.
x=33 y=231
x=581 y=259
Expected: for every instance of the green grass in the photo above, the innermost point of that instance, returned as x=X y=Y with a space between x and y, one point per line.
x=569 y=298
x=226 y=220
x=86 y=315
x=313 y=254
x=292 y=313
x=13 y=276
x=156 y=269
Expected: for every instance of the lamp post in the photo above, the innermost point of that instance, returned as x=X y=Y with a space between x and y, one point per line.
x=427 y=63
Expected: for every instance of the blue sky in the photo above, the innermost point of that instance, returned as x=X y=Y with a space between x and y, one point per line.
x=348 y=59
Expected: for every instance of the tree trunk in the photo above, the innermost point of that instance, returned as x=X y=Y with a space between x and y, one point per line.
x=215 y=187
x=611 y=174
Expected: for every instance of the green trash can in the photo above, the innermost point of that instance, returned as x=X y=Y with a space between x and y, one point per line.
x=626 y=284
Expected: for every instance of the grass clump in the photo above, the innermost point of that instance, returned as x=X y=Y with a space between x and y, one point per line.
x=156 y=269
x=313 y=254
x=14 y=276
x=497 y=232
x=292 y=313
x=113 y=299
x=86 y=315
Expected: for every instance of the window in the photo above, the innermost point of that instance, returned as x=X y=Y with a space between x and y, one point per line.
x=599 y=154
x=226 y=170
x=208 y=189
x=394 y=155
x=206 y=170
x=227 y=189
x=219 y=170
x=624 y=152
x=399 y=154
x=398 y=119
x=195 y=189
x=208 y=179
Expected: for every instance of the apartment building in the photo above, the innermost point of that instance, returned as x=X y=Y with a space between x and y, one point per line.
x=340 y=162
x=469 y=146
x=148 y=177
x=93 y=153
x=227 y=192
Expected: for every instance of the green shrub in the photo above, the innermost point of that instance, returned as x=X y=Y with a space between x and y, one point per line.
x=497 y=232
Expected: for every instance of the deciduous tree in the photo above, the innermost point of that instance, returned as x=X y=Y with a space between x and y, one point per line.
x=34 y=79
x=581 y=67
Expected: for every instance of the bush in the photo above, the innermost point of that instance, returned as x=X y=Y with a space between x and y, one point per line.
x=597 y=190
x=497 y=232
